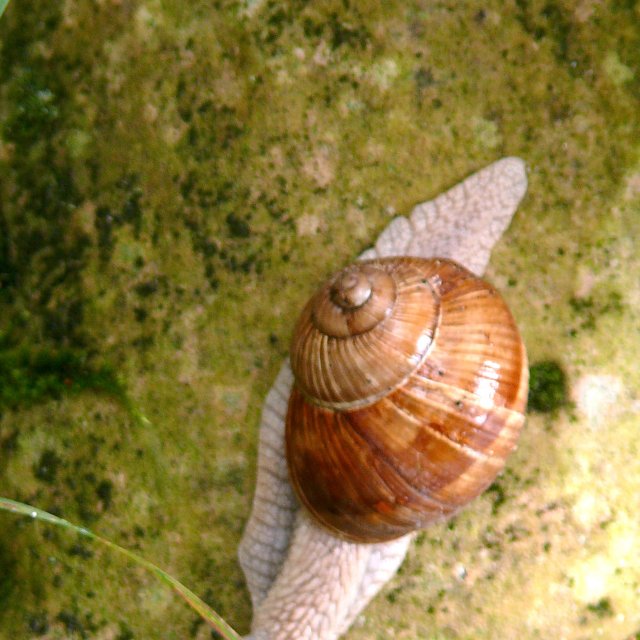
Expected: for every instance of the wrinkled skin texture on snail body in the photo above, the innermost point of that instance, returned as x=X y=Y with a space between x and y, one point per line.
x=305 y=582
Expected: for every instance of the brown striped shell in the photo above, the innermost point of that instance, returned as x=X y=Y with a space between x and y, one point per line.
x=411 y=381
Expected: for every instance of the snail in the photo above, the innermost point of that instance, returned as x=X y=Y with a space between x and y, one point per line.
x=404 y=395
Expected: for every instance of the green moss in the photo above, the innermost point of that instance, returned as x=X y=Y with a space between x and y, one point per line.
x=496 y=490
x=7 y=575
x=155 y=163
x=42 y=254
x=618 y=72
x=547 y=387
x=590 y=309
x=104 y=491
x=38 y=623
x=602 y=608
x=47 y=466
x=392 y=595
x=34 y=114
x=30 y=375
x=72 y=624
x=238 y=227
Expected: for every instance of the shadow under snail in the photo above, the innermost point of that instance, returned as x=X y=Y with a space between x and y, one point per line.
x=408 y=392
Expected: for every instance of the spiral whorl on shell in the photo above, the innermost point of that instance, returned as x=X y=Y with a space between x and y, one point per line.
x=410 y=386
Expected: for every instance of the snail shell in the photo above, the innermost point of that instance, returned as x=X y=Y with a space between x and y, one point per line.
x=410 y=386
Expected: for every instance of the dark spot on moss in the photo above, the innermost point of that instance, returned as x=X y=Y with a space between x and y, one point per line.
x=71 y=623
x=345 y=33
x=125 y=634
x=104 y=491
x=420 y=538
x=311 y=28
x=140 y=314
x=35 y=110
x=147 y=288
x=7 y=273
x=143 y=342
x=104 y=228
x=513 y=533
x=233 y=477
x=209 y=248
x=47 y=466
x=614 y=303
x=9 y=441
x=210 y=274
x=498 y=496
x=423 y=78
x=80 y=551
x=28 y=376
x=63 y=320
x=589 y=309
x=38 y=623
x=238 y=227
x=275 y=23
x=602 y=608
x=552 y=23
x=624 y=5
x=392 y=596
x=7 y=577
x=480 y=16
x=132 y=211
x=579 y=305
x=547 y=387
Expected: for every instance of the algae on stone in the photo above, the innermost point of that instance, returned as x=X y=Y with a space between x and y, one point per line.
x=176 y=177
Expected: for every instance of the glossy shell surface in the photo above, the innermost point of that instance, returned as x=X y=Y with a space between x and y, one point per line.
x=409 y=395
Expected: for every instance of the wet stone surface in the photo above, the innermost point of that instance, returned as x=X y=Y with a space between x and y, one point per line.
x=177 y=178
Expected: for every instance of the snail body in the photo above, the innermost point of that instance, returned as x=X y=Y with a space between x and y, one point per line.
x=311 y=570
x=408 y=397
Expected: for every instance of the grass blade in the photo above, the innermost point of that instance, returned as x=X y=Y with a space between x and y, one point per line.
x=3 y=6
x=191 y=598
